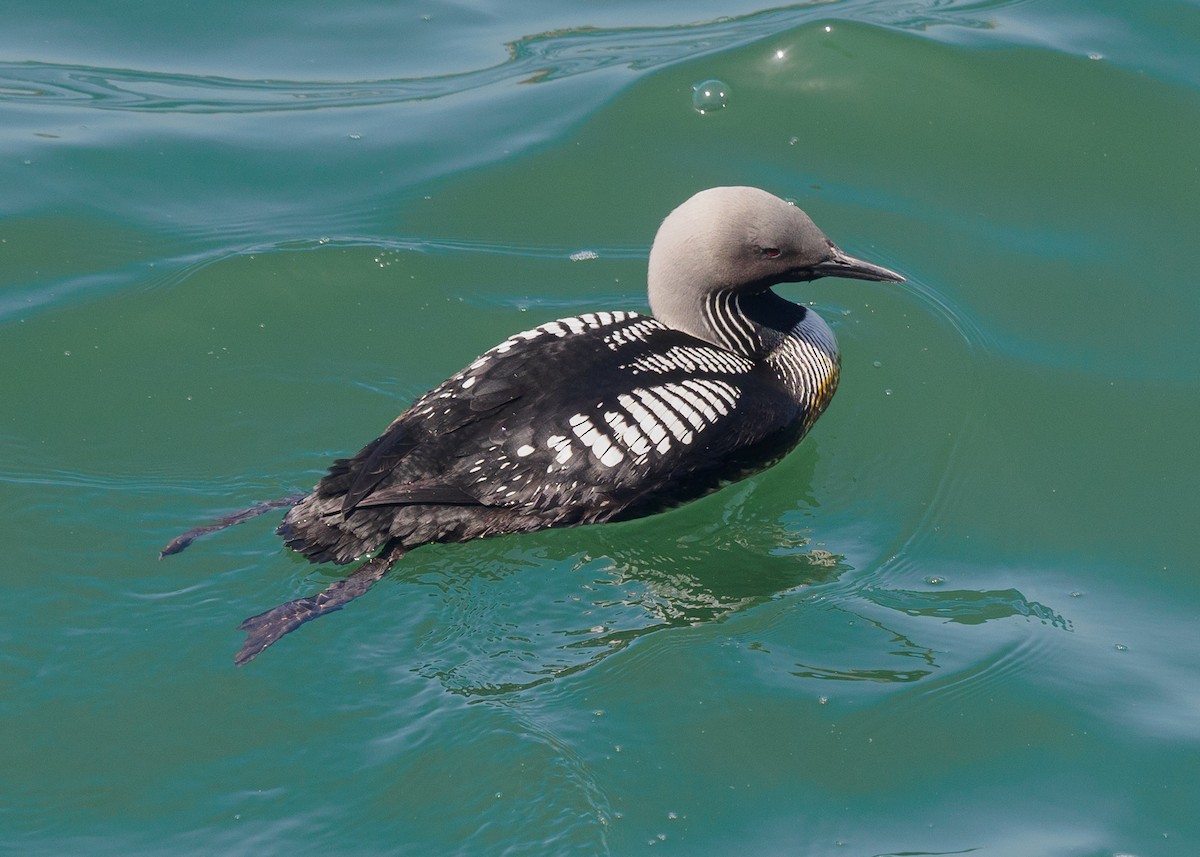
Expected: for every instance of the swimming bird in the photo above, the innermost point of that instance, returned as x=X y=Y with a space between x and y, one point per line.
x=597 y=417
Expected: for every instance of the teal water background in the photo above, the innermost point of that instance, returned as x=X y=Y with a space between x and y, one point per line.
x=236 y=239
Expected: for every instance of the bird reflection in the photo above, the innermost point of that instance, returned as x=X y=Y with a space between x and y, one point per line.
x=622 y=590
x=629 y=595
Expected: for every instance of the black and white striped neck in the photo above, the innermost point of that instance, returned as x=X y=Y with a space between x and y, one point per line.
x=751 y=325
x=794 y=342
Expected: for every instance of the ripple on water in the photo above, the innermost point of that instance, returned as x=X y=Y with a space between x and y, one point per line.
x=539 y=57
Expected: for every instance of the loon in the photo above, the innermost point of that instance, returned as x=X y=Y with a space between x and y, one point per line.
x=597 y=417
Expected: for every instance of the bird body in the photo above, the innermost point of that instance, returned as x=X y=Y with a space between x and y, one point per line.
x=596 y=417
x=576 y=421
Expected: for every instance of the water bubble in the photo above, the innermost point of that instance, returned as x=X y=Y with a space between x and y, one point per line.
x=1095 y=56
x=354 y=135
x=584 y=255
x=877 y=363
x=709 y=96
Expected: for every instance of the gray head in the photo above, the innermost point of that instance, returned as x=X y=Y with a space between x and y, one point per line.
x=740 y=241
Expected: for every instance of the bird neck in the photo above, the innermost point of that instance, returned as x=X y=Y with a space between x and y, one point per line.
x=750 y=324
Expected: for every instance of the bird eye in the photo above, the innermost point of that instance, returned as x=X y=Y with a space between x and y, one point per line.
x=771 y=252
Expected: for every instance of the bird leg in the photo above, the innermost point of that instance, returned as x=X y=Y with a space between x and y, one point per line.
x=182 y=541
x=265 y=628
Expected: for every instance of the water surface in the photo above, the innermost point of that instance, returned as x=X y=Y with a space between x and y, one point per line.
x=235 y=242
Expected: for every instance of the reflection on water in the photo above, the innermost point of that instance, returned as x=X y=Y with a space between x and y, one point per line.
x=967 y=607
x=512 y=621
x=520 y=627
x=511 y=618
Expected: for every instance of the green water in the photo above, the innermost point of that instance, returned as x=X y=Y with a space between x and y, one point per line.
x=236 y=240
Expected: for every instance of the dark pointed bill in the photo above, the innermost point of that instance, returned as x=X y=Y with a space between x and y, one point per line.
x=843 y=265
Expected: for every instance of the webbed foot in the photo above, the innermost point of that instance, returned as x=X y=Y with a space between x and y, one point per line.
x=267 y=627
x=183 y=540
